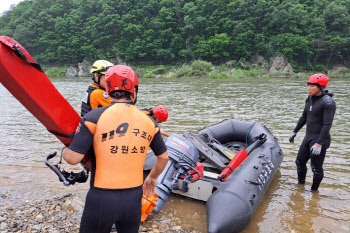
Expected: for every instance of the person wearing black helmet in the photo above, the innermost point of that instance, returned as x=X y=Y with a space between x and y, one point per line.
x=318 y=116
x=96 y=95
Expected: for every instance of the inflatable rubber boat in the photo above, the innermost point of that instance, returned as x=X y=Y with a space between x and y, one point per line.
x=239 y=160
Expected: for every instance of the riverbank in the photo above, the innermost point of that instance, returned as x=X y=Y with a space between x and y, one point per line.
x=38 y=202
x=62 y=213
x=202 y=69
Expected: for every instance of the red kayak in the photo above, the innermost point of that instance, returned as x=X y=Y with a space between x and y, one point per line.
x=27 y=82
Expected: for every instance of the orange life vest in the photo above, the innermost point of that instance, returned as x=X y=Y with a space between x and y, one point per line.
x=94 y=97
x=121 y=140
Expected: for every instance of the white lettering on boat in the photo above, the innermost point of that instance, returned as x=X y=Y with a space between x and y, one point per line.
x=265 y=174
x=181 y=142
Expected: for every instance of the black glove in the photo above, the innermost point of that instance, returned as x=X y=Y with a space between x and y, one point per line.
x=292 y=136
x=316 y=150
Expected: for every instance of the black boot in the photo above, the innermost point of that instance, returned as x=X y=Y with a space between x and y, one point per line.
x=318 y=177
x=301 y=170
x=314 y=187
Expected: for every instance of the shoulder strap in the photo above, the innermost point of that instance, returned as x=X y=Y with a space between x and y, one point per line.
x=19 y=53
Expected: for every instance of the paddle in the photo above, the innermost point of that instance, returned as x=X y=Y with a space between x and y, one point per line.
x=229 y=154
x=240 y=157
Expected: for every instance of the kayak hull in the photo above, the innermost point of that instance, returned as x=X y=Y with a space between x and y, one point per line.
x=32 y=88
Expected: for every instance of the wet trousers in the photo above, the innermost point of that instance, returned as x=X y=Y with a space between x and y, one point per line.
x=103 y=208
x=303 y=157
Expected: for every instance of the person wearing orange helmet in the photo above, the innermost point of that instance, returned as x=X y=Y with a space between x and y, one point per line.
x=159 y=114
x=318 y=116
x=120 y=135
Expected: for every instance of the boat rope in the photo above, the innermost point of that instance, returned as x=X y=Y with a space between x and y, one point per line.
x=246 y=139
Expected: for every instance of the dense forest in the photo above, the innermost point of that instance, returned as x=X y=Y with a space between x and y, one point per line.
x=60 y=32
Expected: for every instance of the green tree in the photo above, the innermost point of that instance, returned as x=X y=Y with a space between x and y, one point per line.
x=168 y=31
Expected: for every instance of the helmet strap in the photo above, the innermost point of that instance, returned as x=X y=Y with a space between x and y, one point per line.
x=120 y=95
x=136 y=90
x=98 y=80
x=125 y=102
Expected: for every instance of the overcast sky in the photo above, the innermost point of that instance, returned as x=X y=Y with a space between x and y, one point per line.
x=5 y=4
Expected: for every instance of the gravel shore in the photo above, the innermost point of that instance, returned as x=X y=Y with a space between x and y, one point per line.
x=62 y=213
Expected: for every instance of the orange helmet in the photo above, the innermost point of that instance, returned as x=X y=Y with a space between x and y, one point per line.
x=320 y=79
x=121 y=78
x=161 y=113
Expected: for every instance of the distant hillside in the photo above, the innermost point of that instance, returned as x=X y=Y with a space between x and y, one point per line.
x=309 y=33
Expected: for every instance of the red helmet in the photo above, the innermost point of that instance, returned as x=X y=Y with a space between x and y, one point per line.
x=319 y=79
x=121 y=78
x=161 y=113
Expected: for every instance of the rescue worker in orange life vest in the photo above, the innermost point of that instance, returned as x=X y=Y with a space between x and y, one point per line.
x=318 y=116
x=96 y=95
x=120 y=135
x=159 y=114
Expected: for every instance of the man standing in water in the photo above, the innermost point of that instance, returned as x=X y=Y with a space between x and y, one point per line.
x=318 y=116
x=120 y=135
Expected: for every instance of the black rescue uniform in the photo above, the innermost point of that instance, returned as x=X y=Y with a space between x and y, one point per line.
x=94 y=97
x=318 y=116
x=120 y=136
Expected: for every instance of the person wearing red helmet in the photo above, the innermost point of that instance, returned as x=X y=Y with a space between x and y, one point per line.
x=318 y=116
x=159 y=114
x=119 y=135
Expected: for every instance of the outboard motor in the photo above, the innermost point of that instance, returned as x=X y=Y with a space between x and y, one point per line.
x=183 y=157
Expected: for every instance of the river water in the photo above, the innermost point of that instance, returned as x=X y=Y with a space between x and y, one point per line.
x=192 y=104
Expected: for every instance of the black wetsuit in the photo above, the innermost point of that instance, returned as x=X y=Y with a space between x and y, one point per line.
x=318 y=116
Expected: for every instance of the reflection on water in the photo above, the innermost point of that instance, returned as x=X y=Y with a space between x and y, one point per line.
x=192 y=104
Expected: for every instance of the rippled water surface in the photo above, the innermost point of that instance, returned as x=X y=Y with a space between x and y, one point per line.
x=193 y=104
